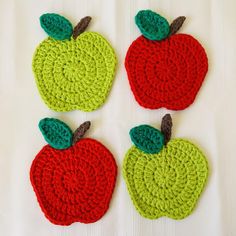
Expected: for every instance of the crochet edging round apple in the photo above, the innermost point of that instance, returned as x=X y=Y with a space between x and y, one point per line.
x=164 y=177
x=165 y=69
x=73 y=177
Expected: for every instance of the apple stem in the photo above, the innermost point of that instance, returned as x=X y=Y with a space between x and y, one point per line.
x=80 y=131
x=81 y=26
x=166 y=126
x=176 y=25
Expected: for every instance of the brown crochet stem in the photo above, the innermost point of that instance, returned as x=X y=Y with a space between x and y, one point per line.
x=80 y=131
x=81 y=26
x=166 y=126
x=176 y=25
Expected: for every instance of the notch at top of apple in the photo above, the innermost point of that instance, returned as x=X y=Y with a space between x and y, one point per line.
x=73 y=69
x=164 y=68
x=73 y=177
x=164 y=177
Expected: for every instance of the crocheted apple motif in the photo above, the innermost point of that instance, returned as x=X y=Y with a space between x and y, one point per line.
x=164 y=69
x=73 y=177
x=164 y=177
x=74 y=70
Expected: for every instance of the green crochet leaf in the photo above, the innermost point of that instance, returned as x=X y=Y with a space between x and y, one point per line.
x=147 y=138
x=152 y=25
x=56 y=133
x=56 y=26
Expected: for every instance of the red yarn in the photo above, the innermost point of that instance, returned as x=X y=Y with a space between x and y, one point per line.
x=166 y=73
x=74 y=184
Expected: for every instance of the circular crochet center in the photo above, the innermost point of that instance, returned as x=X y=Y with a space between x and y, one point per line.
x=74 y=74
x=166 y=73
x=168 y=183
x=74 y=184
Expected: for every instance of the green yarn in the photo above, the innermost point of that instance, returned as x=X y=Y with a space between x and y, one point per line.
x=168 y=183
x=56 y=26
x=56 y=133
x=152 y=25
x=74 y=74
x=147 y=138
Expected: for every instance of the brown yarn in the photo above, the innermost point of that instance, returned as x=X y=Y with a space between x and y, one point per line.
x=80 y=131
x=166 y=126
x=176 y=25
x=81 y=26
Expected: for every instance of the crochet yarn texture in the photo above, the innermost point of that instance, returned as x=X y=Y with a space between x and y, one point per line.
x=168 y=72
x=168 y=183
x=75 y=74
x=152 y=25
x=56 y=133
x=74 y=184
x=73 y=69
x=147 y=138
x=56 y=26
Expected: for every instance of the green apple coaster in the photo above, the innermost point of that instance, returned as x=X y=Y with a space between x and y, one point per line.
x=164 y=177
x=74 y=69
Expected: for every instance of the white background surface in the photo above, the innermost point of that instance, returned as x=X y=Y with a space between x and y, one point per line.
x=209 y=122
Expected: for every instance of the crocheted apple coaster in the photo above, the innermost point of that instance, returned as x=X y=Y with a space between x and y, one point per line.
x=164 y=69
x=73 y=70
x=74 y=184
x=168 y=182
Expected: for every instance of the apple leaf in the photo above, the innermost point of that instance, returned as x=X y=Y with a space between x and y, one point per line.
x=152 y=25
x=147 y=138
x=56 y=133
x=56 y=26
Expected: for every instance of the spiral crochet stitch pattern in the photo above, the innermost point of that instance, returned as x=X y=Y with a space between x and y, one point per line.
x=74 y=184
x=166 y=184
x=76 y=73
x=166 y=73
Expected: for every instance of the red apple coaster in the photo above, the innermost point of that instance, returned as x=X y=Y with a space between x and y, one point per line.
x=73 y=177
x=164 y=69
